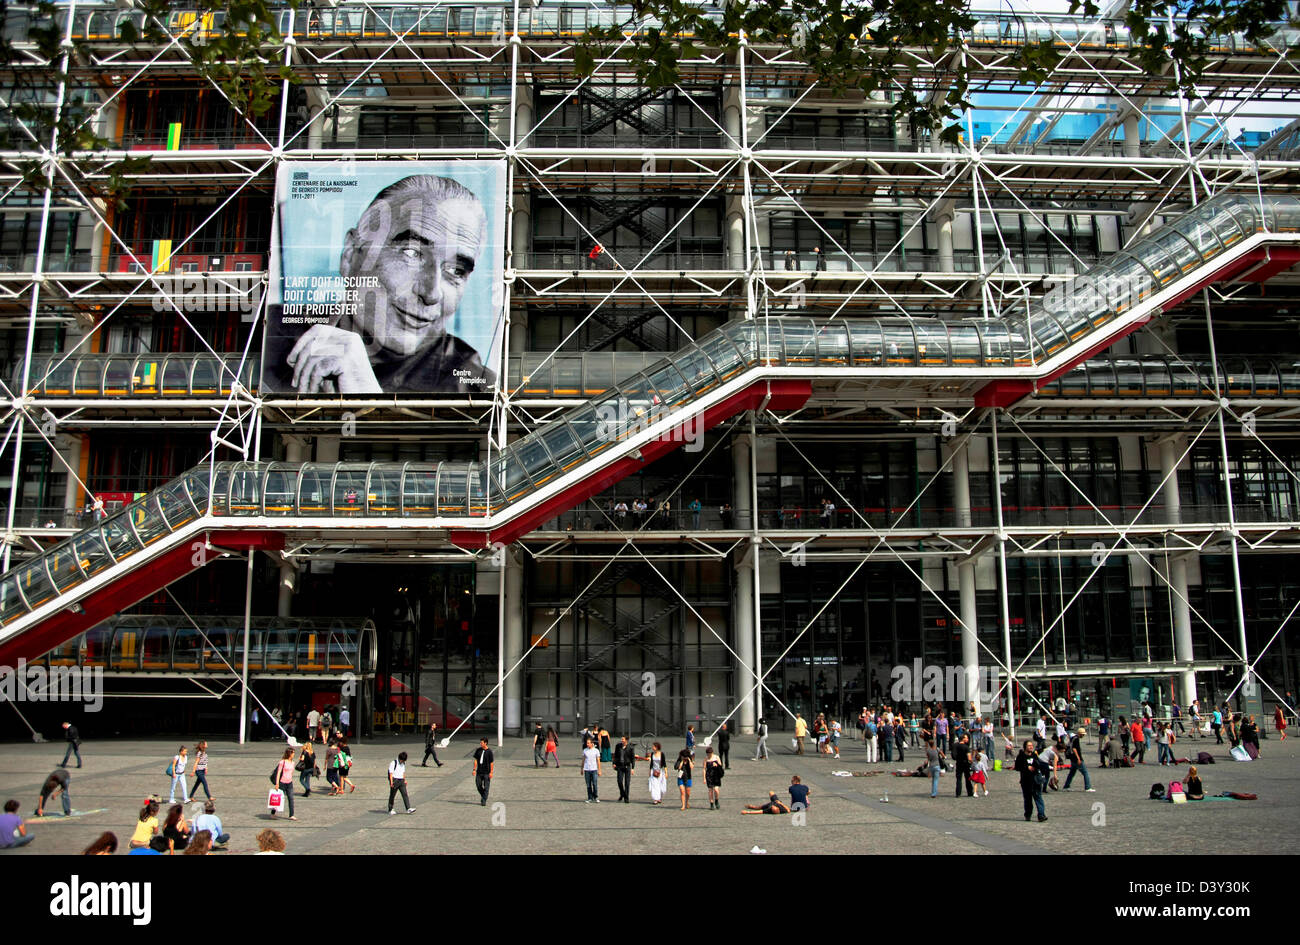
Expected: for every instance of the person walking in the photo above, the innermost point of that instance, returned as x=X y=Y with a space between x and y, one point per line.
x=713 y=774
x=397 y=784
x=900 y=737
x=1164 y=737
x=800 y=732
x=313 y=724
x=658 y=777
x=886 y=737
x=332 y=768
x=1216 y=726
x=980 y=774
x=869 y=738
x=683 y=769
x=73 y=738
x=961 y=755
x=760 y=753
x=1077 y=765
x=624 y=765
x=604 y=743
x=724 y=745
x=1138 y=734
x=345 y=721
x=1279 y=722
x=431 y=746
x=934 y=762
x=591 y=771
x=552 y=746
x=306 y=767
x=539 y=746
x=1031 y=785
x=179 y=761
x=284 y=780
x=690 y=739
x=345 y=767
x=484 y=768
x=201 y=770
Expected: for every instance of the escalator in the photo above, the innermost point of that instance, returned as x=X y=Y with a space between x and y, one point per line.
x=766 y=363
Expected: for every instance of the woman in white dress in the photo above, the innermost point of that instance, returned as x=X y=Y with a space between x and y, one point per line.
x=658 y=779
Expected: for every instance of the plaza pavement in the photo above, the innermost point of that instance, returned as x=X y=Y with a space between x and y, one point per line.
x=543 y=811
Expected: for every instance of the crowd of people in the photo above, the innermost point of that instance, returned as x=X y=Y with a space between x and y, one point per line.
x=965 y=743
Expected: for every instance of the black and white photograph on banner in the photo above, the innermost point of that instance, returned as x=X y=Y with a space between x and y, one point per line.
x=386 y=278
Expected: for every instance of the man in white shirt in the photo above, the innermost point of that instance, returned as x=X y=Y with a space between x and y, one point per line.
x=591 y=771
x=345 y=719
x=1040 y=730
x=397 y=782
x=313 y=722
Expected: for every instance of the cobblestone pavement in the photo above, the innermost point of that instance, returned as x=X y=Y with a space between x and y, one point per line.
x=533 y=810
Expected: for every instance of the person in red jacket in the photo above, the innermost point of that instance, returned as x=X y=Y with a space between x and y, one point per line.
x=1139 y=741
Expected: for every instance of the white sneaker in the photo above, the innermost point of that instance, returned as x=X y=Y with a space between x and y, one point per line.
x=1091 y=790
x=391 y=813
x=410 y=810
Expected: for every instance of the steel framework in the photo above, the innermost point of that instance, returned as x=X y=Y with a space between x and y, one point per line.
x=957 y=221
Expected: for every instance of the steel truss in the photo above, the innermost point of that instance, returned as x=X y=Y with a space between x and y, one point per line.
x=1119 y=181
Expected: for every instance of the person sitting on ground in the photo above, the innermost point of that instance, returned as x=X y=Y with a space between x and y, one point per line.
x=147 y=825
x=798 y=794
x=200 y=845
x=270 y=843
x=106 y=845
x=13 y=833
x=209 y=821
x=773 y=806
x=1192 y=786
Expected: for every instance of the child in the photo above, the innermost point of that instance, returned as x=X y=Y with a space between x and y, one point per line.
x=980 y=774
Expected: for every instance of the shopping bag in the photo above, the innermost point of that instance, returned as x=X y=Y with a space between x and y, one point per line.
x=275 y=800
x=1240 y=754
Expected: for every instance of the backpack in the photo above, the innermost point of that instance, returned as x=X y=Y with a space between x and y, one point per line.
x=1204 y=758
x=1157 y=792
x=1175 y=787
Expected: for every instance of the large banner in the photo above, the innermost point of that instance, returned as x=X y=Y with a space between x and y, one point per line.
x=386 y=278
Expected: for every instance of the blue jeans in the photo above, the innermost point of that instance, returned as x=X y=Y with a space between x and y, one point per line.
x=889 y=750
x=305 y=780
x=1033 y=796
x=201 y=777
x=934 y=780
x=67 y=803
x=942 y=742
x=1080 y=767
x=72 y=750
x=591 y=777
x=179 y=778
x=1165 y=753
x=20 y=841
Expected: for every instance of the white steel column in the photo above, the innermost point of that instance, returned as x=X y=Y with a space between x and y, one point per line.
x=995 y=489
x=1182 y=610
x=512 y=579
x=744 y=622
x=966 y=576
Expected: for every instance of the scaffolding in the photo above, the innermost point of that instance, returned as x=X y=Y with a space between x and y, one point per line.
x=746 y=194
